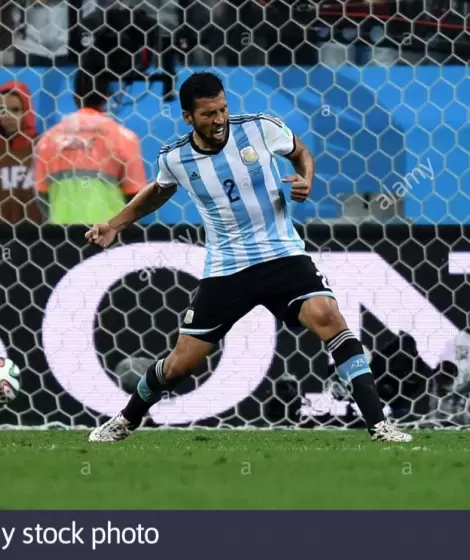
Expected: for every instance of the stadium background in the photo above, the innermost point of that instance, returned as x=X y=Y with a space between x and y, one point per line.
x=383 y=105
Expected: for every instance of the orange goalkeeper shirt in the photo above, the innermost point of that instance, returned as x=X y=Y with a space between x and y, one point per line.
x=87 y=164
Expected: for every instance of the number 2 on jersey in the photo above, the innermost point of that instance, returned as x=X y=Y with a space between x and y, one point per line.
x=231 y=187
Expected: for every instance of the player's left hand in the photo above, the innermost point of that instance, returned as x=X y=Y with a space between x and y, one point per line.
x=301 y=188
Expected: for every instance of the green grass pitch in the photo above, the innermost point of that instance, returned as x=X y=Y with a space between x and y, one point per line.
x=205 y=469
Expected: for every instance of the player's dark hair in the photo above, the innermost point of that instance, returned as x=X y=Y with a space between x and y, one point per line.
x=92 y=91
x=199 y=86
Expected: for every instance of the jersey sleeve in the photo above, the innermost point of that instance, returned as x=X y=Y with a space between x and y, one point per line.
x=40 y=169
x=278 y=136
x=165 y=177
x=133 y=177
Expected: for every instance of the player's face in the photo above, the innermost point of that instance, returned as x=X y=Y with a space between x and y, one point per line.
x=209 y=119
x=11 y=111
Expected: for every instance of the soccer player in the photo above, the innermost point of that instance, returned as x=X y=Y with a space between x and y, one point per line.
x=254 y=254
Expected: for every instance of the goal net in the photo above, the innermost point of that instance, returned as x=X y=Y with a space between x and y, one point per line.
x=379 y=93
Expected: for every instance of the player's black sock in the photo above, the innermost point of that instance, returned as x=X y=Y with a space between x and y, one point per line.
x=149 y=391
x=353 y=367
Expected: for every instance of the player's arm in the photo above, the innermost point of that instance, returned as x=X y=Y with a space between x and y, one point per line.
x=148 y=200
x=281 y=141
x=304 y=165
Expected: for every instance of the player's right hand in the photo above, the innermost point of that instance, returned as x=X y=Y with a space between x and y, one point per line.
x=101 y=234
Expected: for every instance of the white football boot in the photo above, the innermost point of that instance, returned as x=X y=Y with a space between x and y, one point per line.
x=115 y=429
x=384 y=431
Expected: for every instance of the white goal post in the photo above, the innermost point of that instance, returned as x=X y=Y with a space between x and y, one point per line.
x=379 y=93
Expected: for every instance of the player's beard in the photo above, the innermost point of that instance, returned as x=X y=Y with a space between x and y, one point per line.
x=209 y=139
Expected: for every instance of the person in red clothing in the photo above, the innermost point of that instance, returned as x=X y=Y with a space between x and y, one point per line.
x=18 y=197
x=17 y=120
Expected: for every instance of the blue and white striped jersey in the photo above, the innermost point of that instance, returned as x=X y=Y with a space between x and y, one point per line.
x=238 y=192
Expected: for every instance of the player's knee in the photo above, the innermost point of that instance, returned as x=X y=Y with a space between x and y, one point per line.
x=321 y=312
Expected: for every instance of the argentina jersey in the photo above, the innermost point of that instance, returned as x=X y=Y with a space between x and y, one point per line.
x=238 y=193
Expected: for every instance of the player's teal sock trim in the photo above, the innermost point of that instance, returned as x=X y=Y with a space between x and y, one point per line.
x=148 y=392
x=144 y=391
x=353 y=367
x=151 y=383
x=348 y=355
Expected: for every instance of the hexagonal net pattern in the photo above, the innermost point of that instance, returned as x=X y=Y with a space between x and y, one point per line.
x=378 y=92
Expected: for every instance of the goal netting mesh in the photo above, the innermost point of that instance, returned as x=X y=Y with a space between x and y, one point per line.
x=377 y=90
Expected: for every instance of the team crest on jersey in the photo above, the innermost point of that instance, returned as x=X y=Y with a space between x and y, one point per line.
x=249 y=155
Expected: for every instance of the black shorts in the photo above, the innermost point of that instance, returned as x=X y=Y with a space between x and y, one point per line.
x=280 y=285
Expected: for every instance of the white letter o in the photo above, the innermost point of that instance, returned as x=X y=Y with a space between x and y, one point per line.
x=70 y=350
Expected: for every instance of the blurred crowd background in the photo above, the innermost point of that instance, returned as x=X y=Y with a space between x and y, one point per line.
x=251 y=32
x=41 y=41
